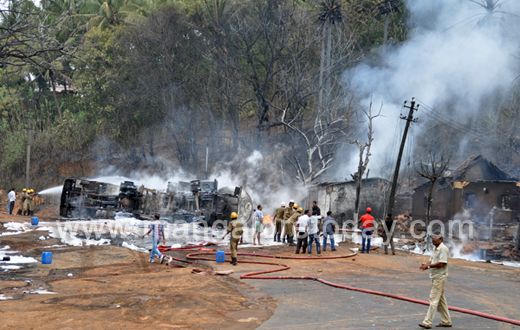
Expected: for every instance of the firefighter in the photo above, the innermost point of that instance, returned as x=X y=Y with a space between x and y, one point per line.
x=22 y=202
x=289 y=225
x=235 y=228
x=30 y=209
x=278 y=216
x=286 y=215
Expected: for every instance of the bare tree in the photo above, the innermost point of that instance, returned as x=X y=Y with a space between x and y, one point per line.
x=30 y=37
x=432 y=169
x=321 y=141
x=364 y=152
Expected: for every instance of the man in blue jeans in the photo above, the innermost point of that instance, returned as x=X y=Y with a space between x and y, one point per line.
x=158 y=230
x=329 y=228
x=313 y=234
x=366 y=235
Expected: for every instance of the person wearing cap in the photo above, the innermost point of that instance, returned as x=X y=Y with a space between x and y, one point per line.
x=366 y=234
x=289 y=211
x=158 y=229
x=289 y=225
x=235 y=228
x=29 y=198
x=278 y=216
x=438 y=266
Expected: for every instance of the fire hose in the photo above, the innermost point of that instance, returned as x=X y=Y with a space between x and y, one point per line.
x=255 y=275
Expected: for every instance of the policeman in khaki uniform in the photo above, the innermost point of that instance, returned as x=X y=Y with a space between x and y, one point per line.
x=438 y=266
x=286 y=215
x=235 y=228
x=290 y=225
x=278 y=216
x=22 y=201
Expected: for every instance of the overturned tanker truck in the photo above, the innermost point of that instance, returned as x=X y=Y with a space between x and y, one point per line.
x=197 y=200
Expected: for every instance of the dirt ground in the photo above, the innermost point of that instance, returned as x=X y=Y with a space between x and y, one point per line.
x=101 y=287
x=112 y=287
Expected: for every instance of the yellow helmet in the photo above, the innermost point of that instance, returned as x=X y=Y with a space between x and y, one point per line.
x=24 y=189
x=234 y=215
x=300 y=209
x=295 y=206
x=32 y=190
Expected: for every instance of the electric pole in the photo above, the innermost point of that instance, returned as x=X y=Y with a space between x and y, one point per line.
x=409 y=120
x=28 y=164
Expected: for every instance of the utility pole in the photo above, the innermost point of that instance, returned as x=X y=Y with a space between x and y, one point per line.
x=28 y=163
x=409 y=119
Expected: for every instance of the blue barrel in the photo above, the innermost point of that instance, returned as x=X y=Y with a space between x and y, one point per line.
x=46 y=257
x=221 y=256
x=34 y=221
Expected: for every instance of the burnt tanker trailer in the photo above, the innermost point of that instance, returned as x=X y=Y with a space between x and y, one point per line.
x=197 y=200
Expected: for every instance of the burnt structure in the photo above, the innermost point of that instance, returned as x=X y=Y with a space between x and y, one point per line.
x=339 y=197
x=186 y=201
x=477 y=190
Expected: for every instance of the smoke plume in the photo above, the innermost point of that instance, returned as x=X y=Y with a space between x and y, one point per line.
x=457 y=54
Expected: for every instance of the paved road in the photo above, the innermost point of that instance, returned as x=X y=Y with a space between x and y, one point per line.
x=487 y=288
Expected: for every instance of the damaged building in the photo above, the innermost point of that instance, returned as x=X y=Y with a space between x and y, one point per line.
x=482 y=193
x=340 y=197
x=477 y=188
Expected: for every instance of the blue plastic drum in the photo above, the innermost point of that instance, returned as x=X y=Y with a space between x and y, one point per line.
x=34 y=221
x=221 y=256
x=46 y=257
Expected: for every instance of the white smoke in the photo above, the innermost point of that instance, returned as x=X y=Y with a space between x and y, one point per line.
x=455 y=55
x=260 y=178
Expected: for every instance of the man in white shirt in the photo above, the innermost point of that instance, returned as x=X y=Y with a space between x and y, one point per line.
x=313 y=234
x=438 y=266
x=301 y=228
x=12 y=198
x=259 y=224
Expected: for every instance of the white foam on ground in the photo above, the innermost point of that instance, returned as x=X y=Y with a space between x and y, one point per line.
x=15 y=228
x=10 y=267
x=54 y=246
x=43 y=292
x=3 y=297
x=20 y=260
x=133 y=247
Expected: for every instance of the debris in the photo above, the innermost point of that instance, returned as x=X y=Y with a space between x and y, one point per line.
x=210 y=271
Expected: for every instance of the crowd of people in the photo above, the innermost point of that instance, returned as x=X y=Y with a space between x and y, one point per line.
x=26 y=198
x=309 y=225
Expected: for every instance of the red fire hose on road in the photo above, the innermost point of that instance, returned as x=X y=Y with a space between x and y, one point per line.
x=255 y=275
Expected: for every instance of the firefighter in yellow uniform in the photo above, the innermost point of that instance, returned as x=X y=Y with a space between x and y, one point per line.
x=290 y=225
x=278 y=216
x=235 y=228
x=286 y=215
x=30 y=208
